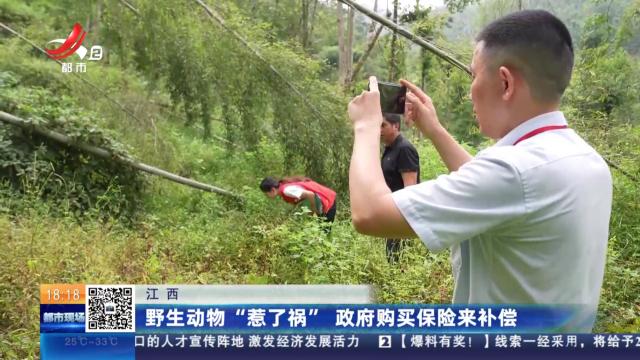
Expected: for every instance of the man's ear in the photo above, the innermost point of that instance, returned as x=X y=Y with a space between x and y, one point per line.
x=507 y=81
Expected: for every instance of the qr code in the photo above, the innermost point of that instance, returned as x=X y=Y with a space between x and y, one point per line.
x=110 y=308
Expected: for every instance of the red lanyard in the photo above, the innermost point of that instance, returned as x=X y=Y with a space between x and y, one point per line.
x=539 y=131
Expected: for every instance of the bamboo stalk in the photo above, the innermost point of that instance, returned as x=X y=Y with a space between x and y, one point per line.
x=125 y=3
x=409 y=35
x=214 y=16
x=621 y=170
x=105 y=154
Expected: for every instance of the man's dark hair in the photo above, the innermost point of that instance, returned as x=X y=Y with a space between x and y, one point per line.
x=394 y=119
x=536 y=43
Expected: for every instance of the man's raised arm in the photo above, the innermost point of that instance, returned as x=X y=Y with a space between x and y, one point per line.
x=372 y=208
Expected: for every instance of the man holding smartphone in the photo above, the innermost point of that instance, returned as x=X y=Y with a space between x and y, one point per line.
x=526 y=219
x=400 y=167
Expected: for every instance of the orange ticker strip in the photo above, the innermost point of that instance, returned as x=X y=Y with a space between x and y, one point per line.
x=62 y=294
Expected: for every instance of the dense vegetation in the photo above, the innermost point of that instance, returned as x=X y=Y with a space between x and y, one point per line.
x=205 y=107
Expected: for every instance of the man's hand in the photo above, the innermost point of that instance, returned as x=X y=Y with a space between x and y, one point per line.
x=419 y=109
x=364 y=110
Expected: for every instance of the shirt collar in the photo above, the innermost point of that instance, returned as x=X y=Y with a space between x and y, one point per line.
x=547 y=119
x=395 y=142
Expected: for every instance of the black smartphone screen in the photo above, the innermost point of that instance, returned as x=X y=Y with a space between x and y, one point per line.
x=392 y=97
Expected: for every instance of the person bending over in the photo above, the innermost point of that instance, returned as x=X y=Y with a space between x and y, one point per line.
x=320 y=199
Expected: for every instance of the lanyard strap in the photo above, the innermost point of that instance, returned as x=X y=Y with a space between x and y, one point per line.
x=539 y=131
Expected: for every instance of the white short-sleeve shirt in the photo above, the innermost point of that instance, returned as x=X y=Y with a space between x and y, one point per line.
x=526 y=223
x=294 y=191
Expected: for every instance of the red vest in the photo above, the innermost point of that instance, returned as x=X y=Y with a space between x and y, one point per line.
x=326 y=195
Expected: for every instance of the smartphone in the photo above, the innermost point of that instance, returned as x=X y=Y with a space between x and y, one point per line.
x=392 y=97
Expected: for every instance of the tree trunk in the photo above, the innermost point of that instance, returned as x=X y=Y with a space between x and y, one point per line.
x=206 y=120
x=345 y=42
x=95 y=25
x=372 y=27
x=228 y=117
x=304 y=33
x=393 y=58
x=349 y=48
x=312 y=21
x=306 y=22
x=341 y=44
x=372 y=37
x=425 y=59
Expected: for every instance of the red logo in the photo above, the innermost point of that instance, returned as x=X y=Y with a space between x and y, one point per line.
x=69 y=47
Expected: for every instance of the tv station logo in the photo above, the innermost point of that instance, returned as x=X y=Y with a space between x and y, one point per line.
x=73 y=45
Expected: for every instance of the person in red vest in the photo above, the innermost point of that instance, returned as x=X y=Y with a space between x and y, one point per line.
x=302 y=190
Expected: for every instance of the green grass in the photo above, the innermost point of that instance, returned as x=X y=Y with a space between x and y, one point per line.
x=235 y=248
x=190 y=237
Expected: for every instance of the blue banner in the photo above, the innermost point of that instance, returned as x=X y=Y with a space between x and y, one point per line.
x=403 y=318
x=65 y=318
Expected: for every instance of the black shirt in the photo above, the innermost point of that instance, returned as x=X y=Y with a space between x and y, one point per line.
x=397 y=158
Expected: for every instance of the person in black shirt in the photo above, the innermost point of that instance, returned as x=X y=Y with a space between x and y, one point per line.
x=400 y=167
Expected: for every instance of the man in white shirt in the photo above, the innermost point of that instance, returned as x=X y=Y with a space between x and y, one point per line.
x=526 y=219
